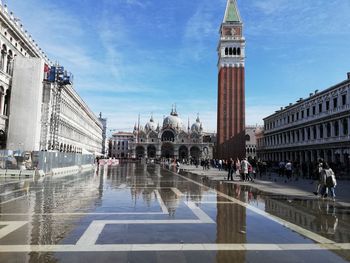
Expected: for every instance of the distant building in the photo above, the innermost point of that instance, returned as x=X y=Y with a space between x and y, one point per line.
x=312 y=128
x=250 y=137
x=171 y=140
x=119 y=145
x=39 y=108
x=104 y=133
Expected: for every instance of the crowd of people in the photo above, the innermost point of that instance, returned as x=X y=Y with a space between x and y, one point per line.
x=248 y=169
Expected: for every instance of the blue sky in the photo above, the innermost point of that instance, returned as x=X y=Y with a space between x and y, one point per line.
x=142 y=56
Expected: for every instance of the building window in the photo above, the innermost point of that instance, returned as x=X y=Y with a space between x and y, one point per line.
x=292 y=117
x=313 y=110
x=335 y=103
x=308 y=133
x=327 y=105
x=320 y=107
x=302 y=114
x=288 y=119
x=307 y=112
x=343 y=99
x=297 y=115
x=321 y=131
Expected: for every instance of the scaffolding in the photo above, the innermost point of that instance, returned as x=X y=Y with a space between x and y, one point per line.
x=59 y=78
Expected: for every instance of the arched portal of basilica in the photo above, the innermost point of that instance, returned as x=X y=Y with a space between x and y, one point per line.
x=172 y=140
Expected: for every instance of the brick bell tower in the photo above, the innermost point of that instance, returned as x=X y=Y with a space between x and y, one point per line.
x=231 y=91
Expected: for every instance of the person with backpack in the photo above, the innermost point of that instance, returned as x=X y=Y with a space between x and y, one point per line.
x=328 y=181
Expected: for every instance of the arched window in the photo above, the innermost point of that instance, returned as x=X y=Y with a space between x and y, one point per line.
x=9 y=63
x=234 y=51
x=230 y=51
x=239 y=51
x=1 y=99
x=247 y=137
x=3 y=56
x=168 y=136
x=321 y=131
x=226 y=51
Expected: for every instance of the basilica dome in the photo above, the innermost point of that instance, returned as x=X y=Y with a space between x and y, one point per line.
x=173 y=121
x=150 y=126
x=197 y=126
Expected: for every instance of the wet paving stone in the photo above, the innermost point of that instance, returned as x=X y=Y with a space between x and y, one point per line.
x=147 y=213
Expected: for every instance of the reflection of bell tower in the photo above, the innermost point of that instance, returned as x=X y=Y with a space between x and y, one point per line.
x=231 y=90
x=231 y=224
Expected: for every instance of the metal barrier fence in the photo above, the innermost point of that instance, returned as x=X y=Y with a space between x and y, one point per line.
x=40 y=160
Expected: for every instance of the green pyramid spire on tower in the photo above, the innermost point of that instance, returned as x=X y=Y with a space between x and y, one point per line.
x=232 y=13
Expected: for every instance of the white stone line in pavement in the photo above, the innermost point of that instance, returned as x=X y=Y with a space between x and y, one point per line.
x=177 y=192
x=171 y=247
x=75 y=180
x=81 y=214
x=91 y=234
x=161 y=203
x=15 y=182
x=302 y=231
x=10 y=226
x=93 y=231
x=214 y=202
x=203 y=217
x=12 y=192
x=14 y=199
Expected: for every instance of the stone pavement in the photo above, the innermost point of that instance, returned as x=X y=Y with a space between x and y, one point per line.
x=272 y=183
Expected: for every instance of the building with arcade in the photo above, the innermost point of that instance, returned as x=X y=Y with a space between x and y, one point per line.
x=171 y=140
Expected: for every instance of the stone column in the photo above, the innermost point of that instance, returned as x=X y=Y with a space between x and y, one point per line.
x=332 y=155
x=332 y=129
x=318 y=131
x=158 y=150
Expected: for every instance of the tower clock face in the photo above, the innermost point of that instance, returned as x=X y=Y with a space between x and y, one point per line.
x=232 y=31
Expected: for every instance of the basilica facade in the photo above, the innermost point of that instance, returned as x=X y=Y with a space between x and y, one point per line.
x=171 y=140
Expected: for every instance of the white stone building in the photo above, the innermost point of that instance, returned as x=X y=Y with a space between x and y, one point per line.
x=172 y=140
x=119 y=145
x=312 y=128
x=37 y=114
x=250 y=138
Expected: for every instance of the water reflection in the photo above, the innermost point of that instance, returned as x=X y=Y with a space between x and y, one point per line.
x=231 y=223
x=134 y=187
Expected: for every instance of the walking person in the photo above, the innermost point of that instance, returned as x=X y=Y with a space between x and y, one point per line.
x=230 y=165
x=250 y=172
x=328 y=180
x=289 y=170
x=244 y=169
x=319 y=179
